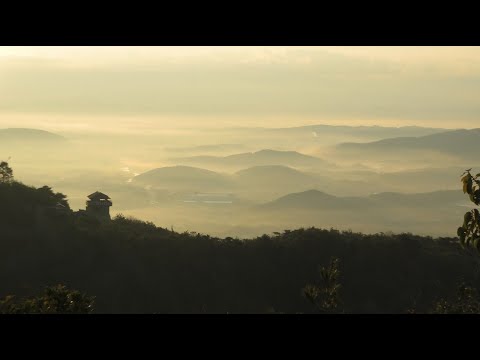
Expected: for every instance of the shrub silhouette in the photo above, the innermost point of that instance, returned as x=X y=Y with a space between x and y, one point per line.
x=54 y=300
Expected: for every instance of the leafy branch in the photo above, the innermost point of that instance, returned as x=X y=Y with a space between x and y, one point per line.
x=326 y=297
x=469 y=232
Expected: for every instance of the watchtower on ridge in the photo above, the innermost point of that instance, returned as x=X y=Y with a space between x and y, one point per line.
x=98 y=205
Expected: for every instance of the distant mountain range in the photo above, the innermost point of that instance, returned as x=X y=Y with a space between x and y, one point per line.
x=318 y=200
x=360 y=131
x=270 y=181
x=462 y=143
x=259 y=158
x=29 y=135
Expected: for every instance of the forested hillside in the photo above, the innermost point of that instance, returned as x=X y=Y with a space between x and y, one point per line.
x=132 y=266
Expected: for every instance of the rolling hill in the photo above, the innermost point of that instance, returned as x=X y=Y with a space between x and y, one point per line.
x=318 y=200
x=310 y=199
x=185 y=177
x=21 y=135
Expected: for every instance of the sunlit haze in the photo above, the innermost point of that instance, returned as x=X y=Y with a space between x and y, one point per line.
x=82 y=87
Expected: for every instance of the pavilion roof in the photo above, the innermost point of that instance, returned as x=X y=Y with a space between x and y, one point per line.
x=97 y=195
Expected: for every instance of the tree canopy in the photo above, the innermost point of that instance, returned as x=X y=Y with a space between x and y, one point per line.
x=54 y=300
x=469 y=232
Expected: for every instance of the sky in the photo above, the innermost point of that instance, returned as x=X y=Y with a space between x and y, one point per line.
x=86 y=88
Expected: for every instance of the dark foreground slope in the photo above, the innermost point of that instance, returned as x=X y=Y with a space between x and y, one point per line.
x=135 y=267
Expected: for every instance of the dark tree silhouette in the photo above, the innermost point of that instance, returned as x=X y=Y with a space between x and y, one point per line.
x=6 y=172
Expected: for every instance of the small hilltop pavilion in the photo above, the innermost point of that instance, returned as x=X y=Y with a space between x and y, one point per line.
x=98 y=205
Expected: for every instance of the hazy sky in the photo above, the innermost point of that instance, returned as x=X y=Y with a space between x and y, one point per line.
x=87 y=87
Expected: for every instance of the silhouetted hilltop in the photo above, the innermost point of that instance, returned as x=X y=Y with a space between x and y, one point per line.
x=26 y=206
x=314 y=199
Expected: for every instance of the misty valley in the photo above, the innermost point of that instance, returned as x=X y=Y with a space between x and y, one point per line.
x=261 y=180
